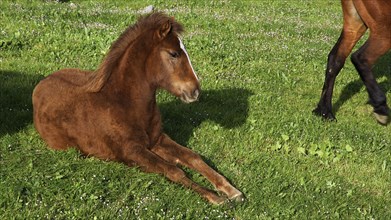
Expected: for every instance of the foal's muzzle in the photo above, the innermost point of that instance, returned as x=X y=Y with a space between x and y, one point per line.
x=189 y=97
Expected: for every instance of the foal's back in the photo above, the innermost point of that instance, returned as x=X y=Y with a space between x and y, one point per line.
x=55 y=105
x=65 y=80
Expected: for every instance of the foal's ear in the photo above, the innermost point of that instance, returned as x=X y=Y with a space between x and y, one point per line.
x=164 y=30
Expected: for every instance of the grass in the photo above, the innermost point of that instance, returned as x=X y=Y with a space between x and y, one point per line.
x=262 y=66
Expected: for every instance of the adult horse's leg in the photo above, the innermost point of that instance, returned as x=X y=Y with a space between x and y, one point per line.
x=175 y=153
x=152 y=163
x=363 y=60
x=353 y=30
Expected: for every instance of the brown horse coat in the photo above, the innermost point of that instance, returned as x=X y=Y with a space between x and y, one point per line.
x=358 y=16
x=111 y=113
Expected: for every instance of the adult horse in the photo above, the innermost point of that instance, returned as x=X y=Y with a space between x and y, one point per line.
x=112 y=114
x=358 y=16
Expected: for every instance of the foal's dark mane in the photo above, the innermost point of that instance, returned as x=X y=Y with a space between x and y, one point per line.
x=153 y=22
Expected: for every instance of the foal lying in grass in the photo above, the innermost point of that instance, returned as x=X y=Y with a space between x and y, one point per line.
x=111 y=113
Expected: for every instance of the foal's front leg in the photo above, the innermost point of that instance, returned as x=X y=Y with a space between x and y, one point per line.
x=177 y=154
x=152 y=163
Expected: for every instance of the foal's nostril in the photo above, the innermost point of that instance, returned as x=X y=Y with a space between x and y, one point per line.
x=196 y=93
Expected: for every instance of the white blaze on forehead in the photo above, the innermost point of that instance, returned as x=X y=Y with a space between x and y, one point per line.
x=187 y=55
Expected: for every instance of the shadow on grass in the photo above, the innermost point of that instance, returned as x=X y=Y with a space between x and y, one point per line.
x=15 y=97
x=381 y=68
x=226 y=107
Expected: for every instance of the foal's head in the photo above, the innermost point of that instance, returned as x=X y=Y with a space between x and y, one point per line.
x=167 y=63
x=170 y=64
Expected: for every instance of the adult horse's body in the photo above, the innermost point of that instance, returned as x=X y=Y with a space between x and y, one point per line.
x=112 y=114
x=358 y=16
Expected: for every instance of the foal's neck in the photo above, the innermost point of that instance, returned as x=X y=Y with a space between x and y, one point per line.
x=128 y=81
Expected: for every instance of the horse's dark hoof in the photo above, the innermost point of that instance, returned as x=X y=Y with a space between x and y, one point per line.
x=317 y=111
x=327 y=115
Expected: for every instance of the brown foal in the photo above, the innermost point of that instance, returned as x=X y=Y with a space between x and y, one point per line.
x=111 y=113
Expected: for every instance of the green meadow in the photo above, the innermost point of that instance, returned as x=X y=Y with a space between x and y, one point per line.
x=261 y=65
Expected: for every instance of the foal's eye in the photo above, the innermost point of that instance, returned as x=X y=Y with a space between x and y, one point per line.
x=174 y=54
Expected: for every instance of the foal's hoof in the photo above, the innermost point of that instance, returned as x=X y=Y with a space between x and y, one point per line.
x=382 y=119
x=238 y=198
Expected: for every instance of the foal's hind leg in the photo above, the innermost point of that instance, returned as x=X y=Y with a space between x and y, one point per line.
x=353 y=30
x=175 y=153
x=152 y=163
x=363 y=60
